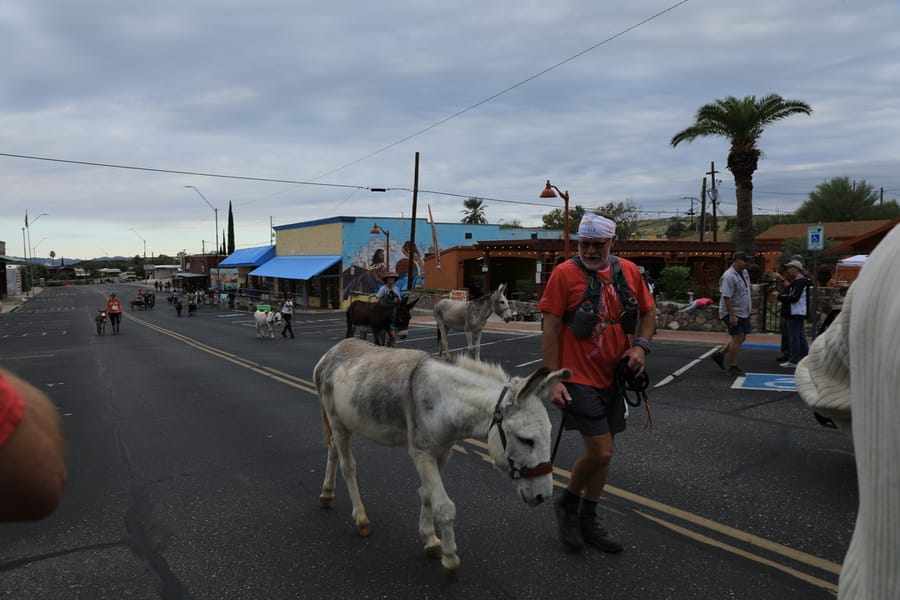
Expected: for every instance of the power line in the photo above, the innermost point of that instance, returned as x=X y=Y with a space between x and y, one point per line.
x=504 y=91
x=179 y=172
x=260 y=179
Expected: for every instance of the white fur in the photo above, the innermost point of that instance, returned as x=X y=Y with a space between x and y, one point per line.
x=469 y=317
x=400 y=397
x=266 y=322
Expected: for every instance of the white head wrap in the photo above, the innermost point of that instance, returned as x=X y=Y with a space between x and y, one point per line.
x=595 y=227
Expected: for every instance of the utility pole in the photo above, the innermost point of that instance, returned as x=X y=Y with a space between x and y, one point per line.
x=703 y=211
x=714 y=198
x=691 y=213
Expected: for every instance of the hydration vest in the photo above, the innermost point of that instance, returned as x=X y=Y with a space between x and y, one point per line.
x=583 y=318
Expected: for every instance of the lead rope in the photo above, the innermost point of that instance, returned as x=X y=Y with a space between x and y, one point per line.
x=628 y=382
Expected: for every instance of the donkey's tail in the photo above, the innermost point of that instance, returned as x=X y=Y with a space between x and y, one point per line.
x=326 y=428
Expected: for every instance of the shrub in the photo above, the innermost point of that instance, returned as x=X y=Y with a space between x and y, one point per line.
x=675 y=283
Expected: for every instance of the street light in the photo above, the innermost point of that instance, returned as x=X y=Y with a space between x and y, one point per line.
x=215 y=210
x=145 y=249
x=31 y=262
x=376 y=229
x=549 y=193
x=34 y=248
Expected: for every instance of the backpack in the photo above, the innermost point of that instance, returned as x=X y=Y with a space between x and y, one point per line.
x=583 y=318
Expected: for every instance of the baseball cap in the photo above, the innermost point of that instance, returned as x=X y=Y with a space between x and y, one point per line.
x=795 y=263
x=741 y=255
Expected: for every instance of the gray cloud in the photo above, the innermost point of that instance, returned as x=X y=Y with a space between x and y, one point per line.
x=294 y=90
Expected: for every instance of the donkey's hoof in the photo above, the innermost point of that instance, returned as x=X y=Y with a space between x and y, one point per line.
x=364 y=529
x=434 y=551
x=450 y=564
x=326 y=501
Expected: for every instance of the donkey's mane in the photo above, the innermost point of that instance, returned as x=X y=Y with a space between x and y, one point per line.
x=481 y=368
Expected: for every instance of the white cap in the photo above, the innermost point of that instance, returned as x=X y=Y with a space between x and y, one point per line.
x=596 y=227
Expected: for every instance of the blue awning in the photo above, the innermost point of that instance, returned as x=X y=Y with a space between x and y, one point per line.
x=295 y=267
x=249 y=257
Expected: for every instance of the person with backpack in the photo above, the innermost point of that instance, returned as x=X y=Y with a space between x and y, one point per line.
x=597 y=314
x=794 y=298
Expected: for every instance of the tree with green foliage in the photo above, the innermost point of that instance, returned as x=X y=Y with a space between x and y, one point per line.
x=742 y=121
x=514 y=224
x=840 y=199
x=230 y=230
x=474 y=212
x=555 y=218
x=676 y=228
x=625 y=214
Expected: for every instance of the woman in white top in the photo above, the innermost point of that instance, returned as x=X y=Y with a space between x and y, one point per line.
x=287 y=313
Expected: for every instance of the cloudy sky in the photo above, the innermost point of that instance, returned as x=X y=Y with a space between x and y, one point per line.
x=497 y=97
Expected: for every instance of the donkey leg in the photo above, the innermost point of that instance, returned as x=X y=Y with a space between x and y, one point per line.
x=443 y=344
x=426 y=525
x=348 y=470
x=326 y=498
x=442 y=508
x=476 y=343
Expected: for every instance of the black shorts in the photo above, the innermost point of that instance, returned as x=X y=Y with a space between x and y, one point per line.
x=594 y=411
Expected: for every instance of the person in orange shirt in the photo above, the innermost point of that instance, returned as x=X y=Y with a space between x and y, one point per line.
x=591 y=337
x=114 y=310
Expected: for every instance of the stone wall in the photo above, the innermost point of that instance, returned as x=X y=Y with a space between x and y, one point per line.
x=670 y=315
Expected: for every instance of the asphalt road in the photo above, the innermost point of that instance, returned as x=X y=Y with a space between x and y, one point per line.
x=196 y=460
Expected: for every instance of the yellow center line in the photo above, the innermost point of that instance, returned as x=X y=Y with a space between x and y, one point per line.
x=742 y=536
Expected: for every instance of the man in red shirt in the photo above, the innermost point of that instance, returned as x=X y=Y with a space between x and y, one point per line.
x=32 y=452
x=593 y=403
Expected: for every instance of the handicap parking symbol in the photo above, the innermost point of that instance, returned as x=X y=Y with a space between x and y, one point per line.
x=766 y=382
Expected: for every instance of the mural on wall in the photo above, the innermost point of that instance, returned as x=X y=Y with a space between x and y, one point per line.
x=224 y=278
x=372 y=249
x=371 y=255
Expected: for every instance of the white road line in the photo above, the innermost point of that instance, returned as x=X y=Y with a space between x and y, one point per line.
x=670 y=378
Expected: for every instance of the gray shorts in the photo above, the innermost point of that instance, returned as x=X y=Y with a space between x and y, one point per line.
x=594 y=411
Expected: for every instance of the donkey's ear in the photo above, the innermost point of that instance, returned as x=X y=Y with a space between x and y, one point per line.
x=539 y=381
x=501 y=290
x=413 y=303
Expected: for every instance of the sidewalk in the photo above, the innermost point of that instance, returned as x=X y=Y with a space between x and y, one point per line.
x=711 y=338
x=11 y=303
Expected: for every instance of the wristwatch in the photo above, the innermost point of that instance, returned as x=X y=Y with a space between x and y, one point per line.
x=642 y=343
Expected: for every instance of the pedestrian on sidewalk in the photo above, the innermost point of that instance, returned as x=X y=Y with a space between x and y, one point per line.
x=794 y=303
x=608 y=296
x=734 y=310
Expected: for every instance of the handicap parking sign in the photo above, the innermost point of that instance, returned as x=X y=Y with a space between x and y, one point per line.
x=766 y=382
x=815 y=238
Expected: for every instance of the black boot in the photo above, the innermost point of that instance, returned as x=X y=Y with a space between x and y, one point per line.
x=566 y=510
x=592 y=531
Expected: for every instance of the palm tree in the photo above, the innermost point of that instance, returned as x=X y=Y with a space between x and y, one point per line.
x=474 y=212
x=741 y=120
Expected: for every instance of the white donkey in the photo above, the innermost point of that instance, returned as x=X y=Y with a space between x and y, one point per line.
x=403 y=397
x=469 y=317
x=266 y=321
